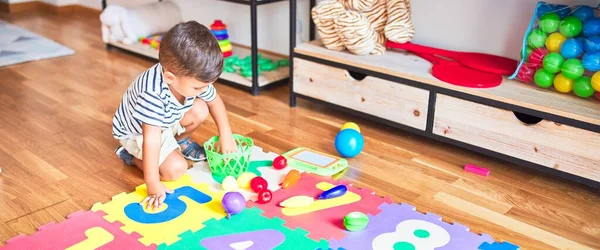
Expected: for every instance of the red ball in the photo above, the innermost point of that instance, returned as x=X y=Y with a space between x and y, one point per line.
x=527 y=71
x=537 y=56
x=264 y=196
x=258 y=184
x=280 y=162
x=597 y=95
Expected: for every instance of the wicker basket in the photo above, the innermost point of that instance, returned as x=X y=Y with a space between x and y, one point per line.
x=230 y=164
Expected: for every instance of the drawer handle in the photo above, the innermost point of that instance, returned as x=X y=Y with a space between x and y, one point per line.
x=527 y=119
x=356 y=75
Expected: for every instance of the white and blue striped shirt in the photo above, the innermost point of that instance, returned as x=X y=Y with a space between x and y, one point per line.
x=149 y=100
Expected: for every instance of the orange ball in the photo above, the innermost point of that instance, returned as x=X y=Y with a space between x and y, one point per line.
x=563 y=84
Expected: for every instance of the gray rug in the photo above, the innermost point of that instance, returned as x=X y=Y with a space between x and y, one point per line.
x=18 y=45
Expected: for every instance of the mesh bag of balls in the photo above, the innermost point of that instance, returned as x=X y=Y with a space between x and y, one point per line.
x=561 y=50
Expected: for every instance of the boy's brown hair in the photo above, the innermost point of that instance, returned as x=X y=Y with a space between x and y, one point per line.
x=190 y=49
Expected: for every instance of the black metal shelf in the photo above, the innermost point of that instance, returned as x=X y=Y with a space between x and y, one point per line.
x=255 y=87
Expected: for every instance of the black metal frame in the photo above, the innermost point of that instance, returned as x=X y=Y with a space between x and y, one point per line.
x=255 y=89
x=434 y=91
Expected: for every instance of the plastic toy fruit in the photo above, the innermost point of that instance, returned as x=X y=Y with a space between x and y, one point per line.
x=297 y=201
x=258 y=184
x=229 y=184
x=291 y=178
x=336 y=191
x=356 y=221
x=264 y=196
x=233 y=203
x=244 y=179
x=280 y=162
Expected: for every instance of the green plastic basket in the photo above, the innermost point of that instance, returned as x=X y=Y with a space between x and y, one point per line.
x=230 y=164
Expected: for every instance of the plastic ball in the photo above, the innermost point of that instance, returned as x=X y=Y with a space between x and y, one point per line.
x=570 y=26
x=349 y=143
x=563 y=84
x=350 y=125
x=572 y=48
x=536 y=38
x=554 y=42
x=527 y=71
x=526 y=53
x=543 y=79
x=583 y=12
x=572 y=68
x=596 y=81
x=233 y=203
x=280 y=162
x=537 y=56
x=543 y=9
x=591 y=44
x=597 y=95
x=583 y=87
x=549 y=22
x=258 y=184
x=591 y=61
x=562 y=10
x=591 y=27
x=552 y=62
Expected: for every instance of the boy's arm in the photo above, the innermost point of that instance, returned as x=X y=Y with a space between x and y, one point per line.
x=219 y=114
x=151 y=151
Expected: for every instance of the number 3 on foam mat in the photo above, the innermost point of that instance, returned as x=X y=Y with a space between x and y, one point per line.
x=175 y=206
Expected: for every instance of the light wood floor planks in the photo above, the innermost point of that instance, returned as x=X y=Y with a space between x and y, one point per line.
x=56 y=150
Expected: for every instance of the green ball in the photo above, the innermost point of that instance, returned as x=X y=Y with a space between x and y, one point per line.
x=553 y=62
x=549 y=22
x=528 y=51
x=543 y=79
x=583 y=87
x=572 y=68
x=537 y=38
x=571 y=26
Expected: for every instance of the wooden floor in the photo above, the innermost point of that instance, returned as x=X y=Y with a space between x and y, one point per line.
x=56 y=150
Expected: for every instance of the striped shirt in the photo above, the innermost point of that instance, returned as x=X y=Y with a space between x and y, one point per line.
x=149 y=100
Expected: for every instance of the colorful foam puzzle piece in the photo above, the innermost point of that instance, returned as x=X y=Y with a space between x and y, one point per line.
x=328 y=214
x=186 y=209
x=498 y=246
x=247 y=230
x=81 y=230
x=402 y=225
x=201 y=173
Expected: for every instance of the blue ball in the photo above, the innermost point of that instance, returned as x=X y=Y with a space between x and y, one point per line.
x=583 y=12
x=591 y=44
x=349 y=143
x=591 y=61
x=591 y=27
x=572 y=48
x=543 y=9
x=562 y=10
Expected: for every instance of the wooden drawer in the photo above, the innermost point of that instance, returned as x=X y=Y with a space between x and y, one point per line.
x=546 y=143
x=385 y=99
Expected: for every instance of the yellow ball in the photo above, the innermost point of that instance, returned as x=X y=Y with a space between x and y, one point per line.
x=563 y=84
x=555 y=41
x=596 y=81
x=350 y=125
x=244 y=179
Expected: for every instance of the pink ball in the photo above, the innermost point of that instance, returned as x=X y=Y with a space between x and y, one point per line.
x=537 y=56
x=527 y=71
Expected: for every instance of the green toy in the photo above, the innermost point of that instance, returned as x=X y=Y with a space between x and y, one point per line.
x=543 y=78
x=549 y=22
x=229 y=164
x=315 y=162
x=583 y=87
x=356 y=221
x=571 y=26
x=243 y=66
x=572 y=68
x=553 y=62
x=537 y=38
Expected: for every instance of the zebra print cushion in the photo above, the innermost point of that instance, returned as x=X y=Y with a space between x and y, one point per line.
x=324 y=14
x=399 y=27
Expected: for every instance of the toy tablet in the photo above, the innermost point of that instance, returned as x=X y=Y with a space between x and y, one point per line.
x=315 y=162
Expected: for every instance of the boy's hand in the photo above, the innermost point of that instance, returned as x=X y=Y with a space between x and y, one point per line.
x=157 y=192
x=228 y=145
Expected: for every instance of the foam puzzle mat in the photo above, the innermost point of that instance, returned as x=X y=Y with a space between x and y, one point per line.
x=193 y=218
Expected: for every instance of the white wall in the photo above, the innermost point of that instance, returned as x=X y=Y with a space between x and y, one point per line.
x=53 y=2
x=489 y=26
